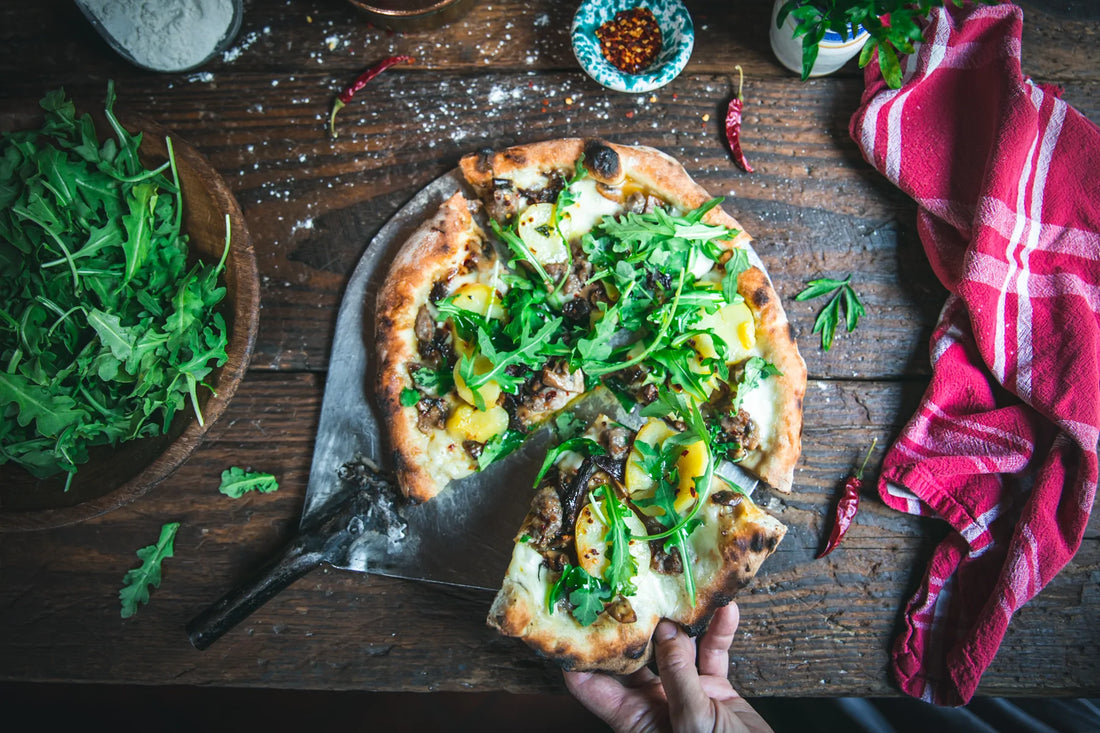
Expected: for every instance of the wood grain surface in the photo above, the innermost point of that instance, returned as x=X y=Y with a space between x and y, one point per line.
x=503 y=75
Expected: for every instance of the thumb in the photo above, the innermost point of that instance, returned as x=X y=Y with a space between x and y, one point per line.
x=600 y=693
x=676 y=663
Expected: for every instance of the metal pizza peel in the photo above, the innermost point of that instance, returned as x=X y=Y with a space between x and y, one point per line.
x=353 y=517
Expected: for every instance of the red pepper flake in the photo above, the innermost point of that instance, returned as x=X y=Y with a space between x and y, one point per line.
x=632 y=40
x=630 y=114
x=733 y=125
x=847 y=506
x=361 y=81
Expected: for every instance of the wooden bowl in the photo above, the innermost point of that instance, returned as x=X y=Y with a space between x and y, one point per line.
x=114 y=477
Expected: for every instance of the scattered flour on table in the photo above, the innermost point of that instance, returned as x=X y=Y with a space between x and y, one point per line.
x=166 y=35
x=243 y=45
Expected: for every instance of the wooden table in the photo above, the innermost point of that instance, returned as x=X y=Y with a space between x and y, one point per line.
x=503 y=75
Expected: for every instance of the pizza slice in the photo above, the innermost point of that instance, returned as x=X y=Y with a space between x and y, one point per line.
x=627 y=528
x=447 y=256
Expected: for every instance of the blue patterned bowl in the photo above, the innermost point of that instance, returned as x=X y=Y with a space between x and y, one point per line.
x=677 y=40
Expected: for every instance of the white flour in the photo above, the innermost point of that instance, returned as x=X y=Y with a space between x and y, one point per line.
x=166 y=35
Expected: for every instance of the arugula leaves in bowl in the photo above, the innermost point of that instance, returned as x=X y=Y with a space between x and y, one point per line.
x=128 y=303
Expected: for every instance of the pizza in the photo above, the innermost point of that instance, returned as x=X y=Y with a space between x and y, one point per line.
x=565 y=269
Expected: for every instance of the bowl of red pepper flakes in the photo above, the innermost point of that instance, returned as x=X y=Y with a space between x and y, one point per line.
x=632 y=45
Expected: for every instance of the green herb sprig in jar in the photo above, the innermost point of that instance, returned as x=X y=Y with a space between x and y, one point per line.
x=893 y=26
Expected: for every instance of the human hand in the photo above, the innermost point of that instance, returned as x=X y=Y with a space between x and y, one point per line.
x=683 y=697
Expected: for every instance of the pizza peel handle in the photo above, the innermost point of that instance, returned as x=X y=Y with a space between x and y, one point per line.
x=298 y=558
x=336 y=525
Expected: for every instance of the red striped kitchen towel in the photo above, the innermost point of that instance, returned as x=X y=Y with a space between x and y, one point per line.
x=1004 y=444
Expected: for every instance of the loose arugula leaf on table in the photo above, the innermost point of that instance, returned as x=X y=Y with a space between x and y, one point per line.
x=105 y=333
x=843 y=298
x=136 y=582
x=236 y=482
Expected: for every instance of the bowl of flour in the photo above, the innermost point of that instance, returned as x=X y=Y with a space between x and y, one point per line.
x=165 y=35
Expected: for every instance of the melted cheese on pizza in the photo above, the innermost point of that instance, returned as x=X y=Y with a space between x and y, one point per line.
x=589 y=209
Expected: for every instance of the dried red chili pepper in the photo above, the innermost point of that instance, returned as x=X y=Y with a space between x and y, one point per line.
x=733 y=125
x=847 y=507
x=361 y=81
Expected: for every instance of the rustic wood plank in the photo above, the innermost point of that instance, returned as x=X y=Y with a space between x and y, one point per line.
x=809 y=627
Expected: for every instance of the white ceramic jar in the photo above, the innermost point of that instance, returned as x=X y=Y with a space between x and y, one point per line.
x=833 y=51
